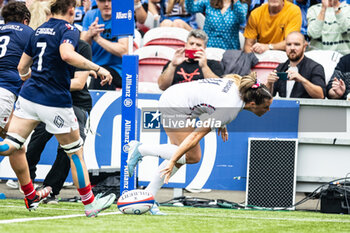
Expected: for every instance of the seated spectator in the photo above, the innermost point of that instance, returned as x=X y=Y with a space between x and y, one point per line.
x=82 y=7
x=269 y=24
x=339 y=85
x=306 y=78
x=183 y=69
x=107 y=50
x=222 y=20
x=174 y=14
x=329 y=26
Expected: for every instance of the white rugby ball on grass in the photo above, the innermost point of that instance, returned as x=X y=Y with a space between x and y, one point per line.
x=135 y=202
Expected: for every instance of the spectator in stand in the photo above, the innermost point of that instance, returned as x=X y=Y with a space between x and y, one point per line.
x=80 y=10
x=339 y=85
x=107 y=50
x=222 y=20
x=174 y=14
x=306 y=78
x=269 y=25
x=329 y=26
x=183 y=69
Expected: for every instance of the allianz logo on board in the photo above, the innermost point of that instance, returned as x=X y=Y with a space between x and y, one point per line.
x=121 y=15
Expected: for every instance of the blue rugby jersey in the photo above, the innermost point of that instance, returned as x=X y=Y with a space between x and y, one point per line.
x=50 y=81
x=13 y=39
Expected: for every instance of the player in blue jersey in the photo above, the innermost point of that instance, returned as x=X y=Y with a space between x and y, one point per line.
x=16 y=17
x=48 y=59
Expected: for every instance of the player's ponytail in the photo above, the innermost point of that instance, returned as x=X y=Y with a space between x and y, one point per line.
x=252 y=90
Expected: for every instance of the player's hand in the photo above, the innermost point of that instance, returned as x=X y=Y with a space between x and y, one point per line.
x=338 y=86
x=166 y=172
x=105 y=76
x=224 y=133
x=179 y=57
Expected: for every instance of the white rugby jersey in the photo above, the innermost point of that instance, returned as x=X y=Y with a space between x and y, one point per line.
x=216 y=98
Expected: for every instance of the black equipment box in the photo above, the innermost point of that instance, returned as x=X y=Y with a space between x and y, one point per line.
x=105 y=180
x=336 y=199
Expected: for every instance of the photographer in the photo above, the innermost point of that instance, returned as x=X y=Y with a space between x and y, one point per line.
x=190 y=63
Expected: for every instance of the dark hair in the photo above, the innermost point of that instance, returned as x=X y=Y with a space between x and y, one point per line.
x=250 y=92
x=15 y=12
x=219 y=4
x=249 y=89
x=62 y=6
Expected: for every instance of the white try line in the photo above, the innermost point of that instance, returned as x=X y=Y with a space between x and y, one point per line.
x=50 y=218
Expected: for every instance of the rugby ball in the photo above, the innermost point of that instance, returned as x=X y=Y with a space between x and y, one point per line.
x=135 y=202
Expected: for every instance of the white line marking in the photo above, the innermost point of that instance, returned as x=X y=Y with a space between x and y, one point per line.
x=50 y=218
x=267 y=218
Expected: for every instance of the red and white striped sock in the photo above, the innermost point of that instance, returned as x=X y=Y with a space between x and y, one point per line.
x=29 y=190
x=87 y=197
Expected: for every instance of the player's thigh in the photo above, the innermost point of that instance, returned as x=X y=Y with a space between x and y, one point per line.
x=58 y=120
x=177 y=136
x=7 y=101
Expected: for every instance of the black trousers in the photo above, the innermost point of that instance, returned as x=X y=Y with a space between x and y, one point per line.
x=60 y=169
x=116 y=81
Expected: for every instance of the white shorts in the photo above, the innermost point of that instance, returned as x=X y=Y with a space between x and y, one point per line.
x=57 y=120
x=7 y=101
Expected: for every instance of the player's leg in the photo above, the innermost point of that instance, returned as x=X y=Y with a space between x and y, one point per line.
x=60 y=169
x=35 y=147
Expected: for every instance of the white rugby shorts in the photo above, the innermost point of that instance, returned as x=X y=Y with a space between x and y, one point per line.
x=7 y=101
x=57 y=120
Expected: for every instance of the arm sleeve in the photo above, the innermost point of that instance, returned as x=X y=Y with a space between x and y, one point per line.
x=216 y=67
x=315 y=26
x=318 y=77
x=250 y=31
x=343 y=18
x=195 y=6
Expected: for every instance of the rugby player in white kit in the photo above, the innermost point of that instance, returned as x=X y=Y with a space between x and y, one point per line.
x=216 y=102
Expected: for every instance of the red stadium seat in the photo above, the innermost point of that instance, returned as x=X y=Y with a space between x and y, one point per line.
x=268 y=61
x=152 y=60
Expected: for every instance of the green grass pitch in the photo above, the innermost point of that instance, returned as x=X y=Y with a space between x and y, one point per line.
x=68 y=217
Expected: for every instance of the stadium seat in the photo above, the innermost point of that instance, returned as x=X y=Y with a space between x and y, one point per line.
x=214 y=53
x=166 y=36
x=152 y=60
x=137 y=39
x=268 y=61
x=327 y=58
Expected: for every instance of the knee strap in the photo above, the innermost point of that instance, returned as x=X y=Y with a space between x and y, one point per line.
x=73 y=147
x=16 y=140
x=79 y=169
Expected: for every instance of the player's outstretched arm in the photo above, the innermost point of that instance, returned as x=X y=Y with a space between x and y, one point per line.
x=69 y=55
x=190 y=141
